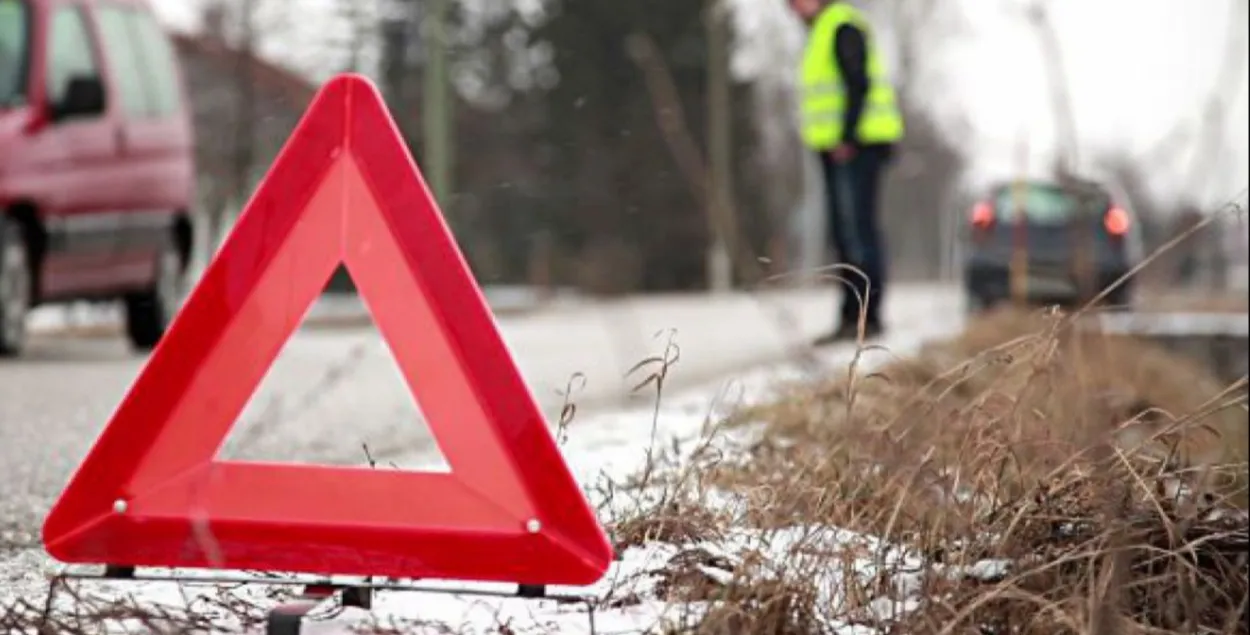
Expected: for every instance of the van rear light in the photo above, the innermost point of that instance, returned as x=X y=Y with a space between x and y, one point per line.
x=1116 y=221
x=982 y=216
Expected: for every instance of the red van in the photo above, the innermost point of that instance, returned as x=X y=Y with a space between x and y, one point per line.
x=96 y=164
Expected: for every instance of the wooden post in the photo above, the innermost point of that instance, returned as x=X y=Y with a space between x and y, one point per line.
x=1020 y=245
x=720 y=158
x=439 y=123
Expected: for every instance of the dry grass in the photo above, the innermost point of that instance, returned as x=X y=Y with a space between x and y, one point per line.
x=1107 y=472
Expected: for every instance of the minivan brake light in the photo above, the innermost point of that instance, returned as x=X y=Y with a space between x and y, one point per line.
x=982 y=215
x=1117 y=221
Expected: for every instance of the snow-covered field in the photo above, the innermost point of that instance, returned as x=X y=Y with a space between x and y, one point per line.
x=602 y=451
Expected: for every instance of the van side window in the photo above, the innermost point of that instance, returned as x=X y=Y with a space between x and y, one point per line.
x=142 y=61
x=69 y=52
x=162 y=72
x=125 y=58
x=14 y=21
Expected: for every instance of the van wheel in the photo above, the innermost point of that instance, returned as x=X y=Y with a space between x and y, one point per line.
x=15 y=288
x=975 y=305
x=1120 y=300
x=149 y=313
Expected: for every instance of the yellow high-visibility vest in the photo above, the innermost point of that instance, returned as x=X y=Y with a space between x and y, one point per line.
x=823 y=93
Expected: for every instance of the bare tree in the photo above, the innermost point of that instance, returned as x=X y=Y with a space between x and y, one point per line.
x=396 y=27
x=216 y=142
x=229 y=140
x=671 y=119
x=910 y=18
x=352 y=12
x=1202 y=143
x=1067 y=155
x=762 y=56
x=244 y=113
x=1209 y=146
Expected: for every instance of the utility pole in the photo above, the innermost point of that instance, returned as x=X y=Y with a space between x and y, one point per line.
x=720 y=146
x=436 y=114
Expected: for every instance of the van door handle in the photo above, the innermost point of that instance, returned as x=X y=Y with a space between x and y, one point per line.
x=119 y=137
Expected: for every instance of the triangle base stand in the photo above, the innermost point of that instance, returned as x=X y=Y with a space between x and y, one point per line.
x=287 y=618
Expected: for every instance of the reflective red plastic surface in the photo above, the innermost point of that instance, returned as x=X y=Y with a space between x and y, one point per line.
x=343 y=189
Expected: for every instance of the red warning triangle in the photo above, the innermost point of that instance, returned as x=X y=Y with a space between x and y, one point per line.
x=151 y=493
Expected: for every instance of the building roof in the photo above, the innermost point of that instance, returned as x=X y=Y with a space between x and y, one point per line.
x=294 y=88
x=312 y=39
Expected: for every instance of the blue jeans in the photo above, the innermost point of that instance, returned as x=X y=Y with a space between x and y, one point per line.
x=851 y=192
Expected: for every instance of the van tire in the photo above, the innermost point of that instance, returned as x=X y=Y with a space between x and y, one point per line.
x=15 y=287
x=149 y=313
x=1120 y=300
x=976 y=305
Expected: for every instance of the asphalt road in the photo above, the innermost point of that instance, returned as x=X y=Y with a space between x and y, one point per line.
x=52 y=405
x=334 y=391
x=328 y=393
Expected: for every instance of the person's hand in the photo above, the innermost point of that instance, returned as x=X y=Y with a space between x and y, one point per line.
x=843 y=152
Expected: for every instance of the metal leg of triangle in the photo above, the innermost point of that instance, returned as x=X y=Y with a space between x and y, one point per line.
x=288 y=618
x=119 y=572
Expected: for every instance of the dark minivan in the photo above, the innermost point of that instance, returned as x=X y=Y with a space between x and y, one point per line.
x=1064 y=243
x=96 y=163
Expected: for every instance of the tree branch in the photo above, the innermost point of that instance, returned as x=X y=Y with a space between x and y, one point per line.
x=670 y=118
x=1067 y=140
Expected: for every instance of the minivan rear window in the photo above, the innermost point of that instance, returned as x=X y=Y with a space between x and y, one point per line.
x=14 y=41
x=1041 y=203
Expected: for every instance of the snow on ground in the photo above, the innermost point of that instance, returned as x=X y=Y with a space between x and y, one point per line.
x=604 y=449
x=1177 y=323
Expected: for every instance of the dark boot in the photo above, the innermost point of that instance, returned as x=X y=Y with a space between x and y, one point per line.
x=848 y=331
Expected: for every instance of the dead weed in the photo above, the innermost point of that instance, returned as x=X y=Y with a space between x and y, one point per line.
x=1105 y=475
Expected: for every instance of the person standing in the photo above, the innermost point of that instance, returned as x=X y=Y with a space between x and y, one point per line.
x=850 y=118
